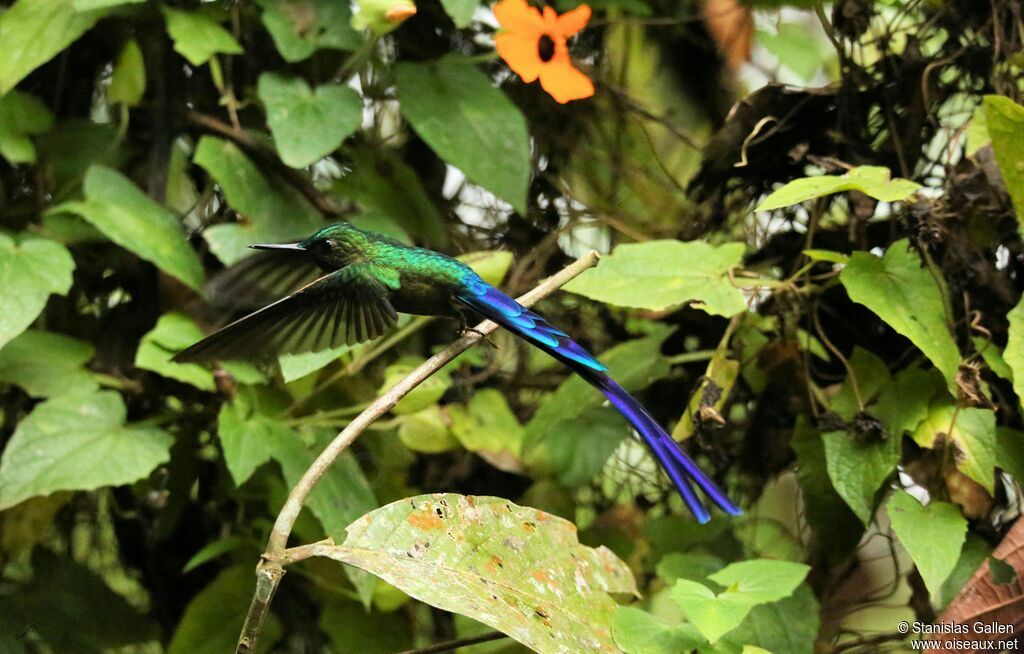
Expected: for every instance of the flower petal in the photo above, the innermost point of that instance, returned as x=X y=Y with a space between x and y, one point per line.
x=573 y=21
x=564 y=82
x=519 y=17
x=520 y=53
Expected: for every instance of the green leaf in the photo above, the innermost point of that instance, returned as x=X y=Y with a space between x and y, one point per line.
x=469 y=123
x=381 y=181
x=308 y=124
x=426 y=431
x=975 y=550
x=695 y=566
x=871 y=180
x=274 y=212
x=216 y=549
x=73 y=610
x=78 y=442
x=47 y=364
x=796 y=48
x=933 y=535
x=577 y=450
x=639 y=632
x=173 y=333
x=789 y=626
x=747 y=583
x=517 y=569
x=634 y=364
x=658 y=275
x=29 y=272
x=856 y=465
x=487 y=426
x=1014 y=352
x=21 y=116
x=247 y=437
x=461 y=11
x=1002 y=572
x=297 y=366
x=301 y=27
x=421 y=397
x=1010 y=451
x=214 y=617
x=972 y=432
x=197 y=37
x=905 y=295
x=990 y=353
x=904 y=403
x=33 y=31
x=128 y=81
x=837 y=528
x=342 y=495
x=1005 y=121
x=128 y=217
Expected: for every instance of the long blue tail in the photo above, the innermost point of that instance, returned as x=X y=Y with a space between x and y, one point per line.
x=502 y=309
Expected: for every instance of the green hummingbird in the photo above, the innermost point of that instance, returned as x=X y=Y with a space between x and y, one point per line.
x=362 y=280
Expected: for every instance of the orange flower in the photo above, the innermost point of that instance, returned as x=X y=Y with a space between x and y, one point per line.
x=533 y=45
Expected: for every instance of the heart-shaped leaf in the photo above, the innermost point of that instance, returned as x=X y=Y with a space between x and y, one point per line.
x=933 y=535
x=308 y=124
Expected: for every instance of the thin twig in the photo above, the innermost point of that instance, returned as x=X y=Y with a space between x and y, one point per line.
x=271 y=567
x=268 y=158
x=449 y=645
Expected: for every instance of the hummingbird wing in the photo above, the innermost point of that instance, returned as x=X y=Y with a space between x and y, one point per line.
x=346 y=306
x=261 y=278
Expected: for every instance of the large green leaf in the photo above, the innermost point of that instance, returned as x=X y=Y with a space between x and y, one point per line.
x=517 y=569
x=1005 y=122
x=906 y=296
x=173 y=333
x=659 y=275
x=73 y=610
x=972 y=432
x=469 y=123
x=33 y=31
x=128 y=217
x=29 y=272
x=21 y=116
x=426 y=431
x=870 y=180
x=341 y=496
x=858 y=464
x=308 y=124
x=46 y=364
x=247 y=437
x=197 y=37
x=213 y=618
x=1014 y=352
x=578 y=449
x=639 y=632
x=747 y=584
x=933 y=535
x=77 y=442
x=487 y=426
x=274 y=212
x=789 y=626
x=301 y=27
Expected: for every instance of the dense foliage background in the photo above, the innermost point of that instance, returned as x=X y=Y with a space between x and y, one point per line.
x=817 y=289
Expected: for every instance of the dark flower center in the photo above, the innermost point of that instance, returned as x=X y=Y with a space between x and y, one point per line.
x=546 y=48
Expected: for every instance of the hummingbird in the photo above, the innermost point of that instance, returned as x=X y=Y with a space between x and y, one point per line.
x=358 y=283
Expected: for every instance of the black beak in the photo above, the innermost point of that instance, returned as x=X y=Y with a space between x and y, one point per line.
x=278 y=246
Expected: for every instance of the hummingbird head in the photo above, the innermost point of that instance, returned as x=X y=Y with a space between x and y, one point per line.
x=332 y=247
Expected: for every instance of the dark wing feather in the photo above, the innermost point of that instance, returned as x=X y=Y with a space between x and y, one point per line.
x=261 y=278
x=343 y=307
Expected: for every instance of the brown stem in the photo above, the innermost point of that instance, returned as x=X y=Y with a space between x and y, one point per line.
x=268 y=158
x=271 y=567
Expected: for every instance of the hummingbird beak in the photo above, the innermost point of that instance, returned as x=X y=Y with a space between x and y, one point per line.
x=278 y=246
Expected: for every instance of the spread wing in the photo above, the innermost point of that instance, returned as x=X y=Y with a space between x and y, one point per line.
x=346 y=306
x=261 y=278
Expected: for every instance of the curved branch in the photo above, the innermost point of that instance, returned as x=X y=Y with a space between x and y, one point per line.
x=271 y=567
